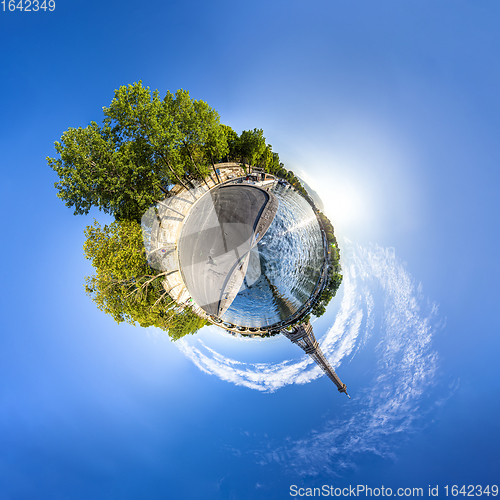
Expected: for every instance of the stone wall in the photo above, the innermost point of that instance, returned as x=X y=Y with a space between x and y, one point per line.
x=163 y=228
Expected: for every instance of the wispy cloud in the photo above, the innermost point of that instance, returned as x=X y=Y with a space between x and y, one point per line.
x=405 y=367
x=384 y=314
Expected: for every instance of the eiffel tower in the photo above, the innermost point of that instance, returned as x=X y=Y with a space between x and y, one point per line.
x=303 y=336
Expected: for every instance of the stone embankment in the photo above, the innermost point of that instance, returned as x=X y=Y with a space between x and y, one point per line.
x=162 y=230
x=162 y=234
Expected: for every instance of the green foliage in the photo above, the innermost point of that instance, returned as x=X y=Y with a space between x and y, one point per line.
x=291 y=179
x=334 y=276
x=266 y=158
x=305 y=319
x=124 y=166
x=216 y=144
x=333 y=249
x=327 y=294
x=124 y=285
x=201 y=135
x=270 y=334
x=232 y=142
x=274 y=164
x=144 y=145
x=186 y=323
x=96 y=171
x=251 y=145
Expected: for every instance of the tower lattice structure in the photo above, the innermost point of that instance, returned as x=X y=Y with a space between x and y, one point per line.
x=303 y=336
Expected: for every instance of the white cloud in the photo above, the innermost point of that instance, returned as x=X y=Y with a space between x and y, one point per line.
x=405 y=368
x=383 y=312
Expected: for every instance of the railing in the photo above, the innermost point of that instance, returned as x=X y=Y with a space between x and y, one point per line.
x=306 y=307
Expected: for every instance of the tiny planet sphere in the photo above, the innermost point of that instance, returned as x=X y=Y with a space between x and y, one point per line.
x=251 y=257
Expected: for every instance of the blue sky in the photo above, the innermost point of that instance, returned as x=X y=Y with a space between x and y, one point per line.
x=390 y=110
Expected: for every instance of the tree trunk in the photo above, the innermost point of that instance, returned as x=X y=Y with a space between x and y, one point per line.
x=173 y=171
x=196 y=166
x=215 y=170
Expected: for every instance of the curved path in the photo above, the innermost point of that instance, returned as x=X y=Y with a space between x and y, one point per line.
x=215 y=241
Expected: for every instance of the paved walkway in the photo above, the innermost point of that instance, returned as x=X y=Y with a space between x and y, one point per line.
x=216 y=239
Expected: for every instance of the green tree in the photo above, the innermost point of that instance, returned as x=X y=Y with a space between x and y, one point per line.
x=123 y=167
x=215 y=141
x=232 y=142
x=95 y=171
x=124 y=285
x=201 y=135
x=140 y=117
x=275 y=165
x=266 y=158
x=252 y=145
x=144 y=145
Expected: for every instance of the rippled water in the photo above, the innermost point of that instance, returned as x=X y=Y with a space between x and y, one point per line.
x=284 y=268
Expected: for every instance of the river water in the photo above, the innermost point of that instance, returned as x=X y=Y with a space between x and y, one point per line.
x=284 y=267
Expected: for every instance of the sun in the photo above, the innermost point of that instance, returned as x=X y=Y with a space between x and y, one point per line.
x=347 y=201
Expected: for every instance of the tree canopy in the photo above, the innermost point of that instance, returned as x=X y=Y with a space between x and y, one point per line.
x=334 y=269
x=144 y=145
x=125 y=166
x=124 y=285
x=251 y=145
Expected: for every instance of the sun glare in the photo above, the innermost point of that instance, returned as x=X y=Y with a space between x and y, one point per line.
x=347 y=202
